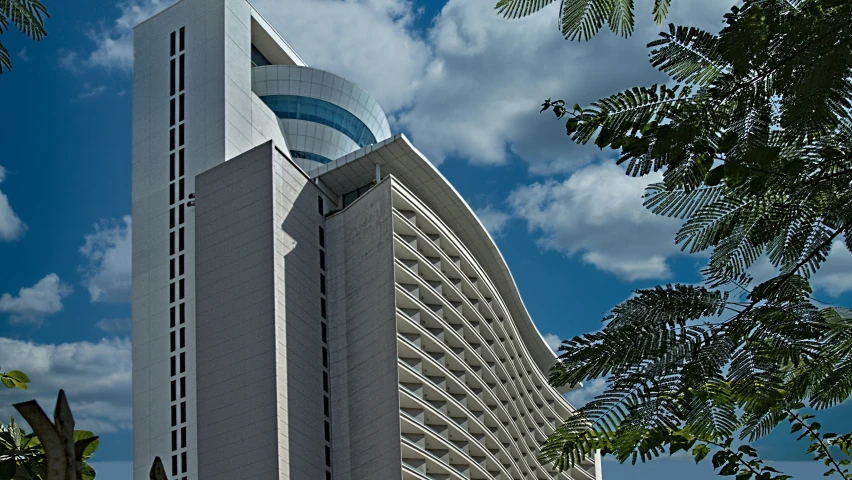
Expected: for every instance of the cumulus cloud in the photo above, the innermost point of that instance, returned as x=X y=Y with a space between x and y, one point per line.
x=835 y=276
x=493 y=219
x=11 y=227
x=553 y=342
x=597 y=214
x=95 y=377
x=113 y=43
x=114 y=325
x=469 y=84
x=107 y=251
x=34 y=303
x=586 y=393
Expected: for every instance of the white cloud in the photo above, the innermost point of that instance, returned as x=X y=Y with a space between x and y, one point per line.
x=34 y=303
x=107 y=274
x=587 y=393
x=553 y=342
x=11 y=227
x=372 y=42
x=470 y=85
x=494 y=220
x=91 y=92
x=114 y=325
x=23 y=55
x=113 y=43
x=597 y=213
x=95 y=377
x=835 y=275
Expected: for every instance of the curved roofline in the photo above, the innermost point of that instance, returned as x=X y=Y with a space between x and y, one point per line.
x=403 y=160
x=383 y=126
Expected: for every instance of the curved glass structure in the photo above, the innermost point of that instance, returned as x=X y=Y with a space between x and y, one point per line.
x=310 y=156
x=322 y=112
x=321 y=115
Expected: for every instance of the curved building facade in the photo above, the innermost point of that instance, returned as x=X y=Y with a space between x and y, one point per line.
x=323 y=116
x=312 y=299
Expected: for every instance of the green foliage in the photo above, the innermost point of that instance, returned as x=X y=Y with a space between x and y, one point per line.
x=14 y=379
x=583 y=19
x=753 y=136
x=28 y=16
x=22 y=456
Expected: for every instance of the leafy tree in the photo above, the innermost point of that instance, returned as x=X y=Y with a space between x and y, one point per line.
x=754 y=138
x=22 y=456
x=28 y=16
x=14 y=379
x=583 y=19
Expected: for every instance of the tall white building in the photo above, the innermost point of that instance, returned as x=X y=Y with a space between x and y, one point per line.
x=311 y=298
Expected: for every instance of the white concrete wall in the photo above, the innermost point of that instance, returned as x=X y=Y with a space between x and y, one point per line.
x=260 y=409
x=365 y=399
x=222 y=119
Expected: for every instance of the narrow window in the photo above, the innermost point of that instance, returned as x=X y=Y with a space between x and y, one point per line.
x=172 y=315
x=172 y=193
x=182 y=338
x=180 y=239
x=171 y=243
x=327 y=475
x=182 y=72
x=174 y=440
x=174 y=366
x=171 y=293
x=171 y=218
x=182 y=387
x=322 y=284
x=180 y=264
x=322 y=308
x=182 y=38
x=172 y=167
x=324 y=333
x=174 y=465
x=182 y=362
x=321 y=235
x=183 y=437
x=327 y=456
x=172 y=269
x=180 y=288
x=182 y=108
x=180 y=214
x=172 y=112
x=172 y=139
x=173 y=341
x=174 y=415
x=183 y=462
x=174 y=392
x=322 y=259
x=327 y=431
x=172 y=77
x=181 y=134
x=182 y=313
x=324 y=357
x=173 y=50
x=180 y=189
x=320 y=206
x=325 y=405
x=182 y=409
x=325 y=382
x=180 y=162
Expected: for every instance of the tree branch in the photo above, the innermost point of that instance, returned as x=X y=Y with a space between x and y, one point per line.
x=822 y=446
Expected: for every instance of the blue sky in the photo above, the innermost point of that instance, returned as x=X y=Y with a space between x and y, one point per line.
x=462 y=83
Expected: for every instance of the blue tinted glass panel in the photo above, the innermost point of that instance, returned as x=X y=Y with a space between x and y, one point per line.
x=310 y=156
x=257 y=58
x=295 y=107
